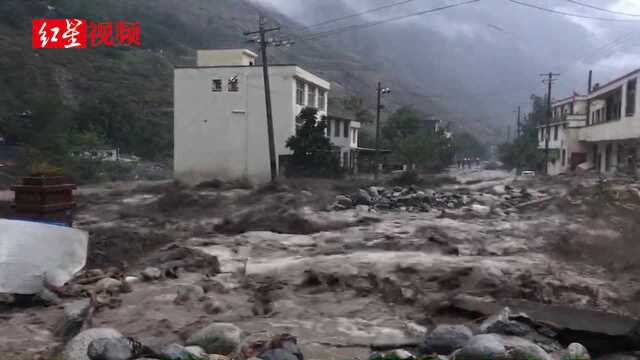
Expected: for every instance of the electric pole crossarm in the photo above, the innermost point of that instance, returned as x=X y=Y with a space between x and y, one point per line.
x=549 y=81
x=248 y=33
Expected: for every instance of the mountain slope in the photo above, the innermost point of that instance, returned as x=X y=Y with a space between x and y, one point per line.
x=137 y=82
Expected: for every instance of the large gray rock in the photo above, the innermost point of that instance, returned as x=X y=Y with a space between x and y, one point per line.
x=502 y=324
x=187 y=293
x=523 y=349
x=483 y=347
x=277 y=354
x=175 y=352
x=362 y=197
x=109 y=285
x=75 y=314
x=344 y=201
x=108 y=348
x=445 y=339
x=577 y=351
x=151 y=273
x=77 y=348
x=217 y=338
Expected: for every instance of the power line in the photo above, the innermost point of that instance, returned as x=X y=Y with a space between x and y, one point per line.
x=602 y=9
x=570 y=14
x=329 y=21
x=379 y=22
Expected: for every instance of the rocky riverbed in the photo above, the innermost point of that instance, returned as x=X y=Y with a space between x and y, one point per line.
x=485 y=266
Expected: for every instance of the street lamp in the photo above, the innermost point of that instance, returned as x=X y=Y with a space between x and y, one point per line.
x=380 y=92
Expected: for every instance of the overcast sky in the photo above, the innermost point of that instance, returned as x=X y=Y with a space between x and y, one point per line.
x=517 y=37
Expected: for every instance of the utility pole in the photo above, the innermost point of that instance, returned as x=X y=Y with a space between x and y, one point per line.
x=379 y=92
x=262 y=40
x=516 y=139
x=508 y=133
x=549 y=81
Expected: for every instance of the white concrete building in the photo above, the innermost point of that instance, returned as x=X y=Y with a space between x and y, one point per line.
x=612 y=132
x=565 y=152
x=343 y=133
x=220 y=127
x=601 y=129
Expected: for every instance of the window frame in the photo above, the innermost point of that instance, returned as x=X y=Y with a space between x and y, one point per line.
x=630 y=106
x=216 y=85
x=233 y=86
x=555 y=133
x=336 y=131
x=345 y=127
x=322 y=99
x=312 y=100
x=300 y=92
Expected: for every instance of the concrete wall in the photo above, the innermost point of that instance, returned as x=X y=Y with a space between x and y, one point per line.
x=231 y=57
x=223 y=135
x=627 y=127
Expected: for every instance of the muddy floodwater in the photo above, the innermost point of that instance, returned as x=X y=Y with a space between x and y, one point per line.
x=342 y=280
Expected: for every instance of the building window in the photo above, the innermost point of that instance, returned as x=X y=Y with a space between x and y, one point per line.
x=345 y=133
x=311 y=96
x=631 y=97
x=555 y=132
x=322 y=100
x=354 y=136
x=232 y=84
x=564 y=157
x=337 y=129
x=328 y=127
x=216 y=85
x=299 y=92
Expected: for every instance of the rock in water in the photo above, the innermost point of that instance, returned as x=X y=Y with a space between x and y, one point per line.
x=187 y=293
x=77 y=348
x=577 y=351
x=75 y=313
x=344 y=201
x=117 y=348
x=502 y=324
x=445 y=339
x=109 y=285
x=175 y=352
x=362 y=197
x=482 y=347
x=523 y=349
x=197 y=351
x=151 y=273
x=217 y=338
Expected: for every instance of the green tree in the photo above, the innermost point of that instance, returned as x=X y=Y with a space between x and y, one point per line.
x=313 y=153
x=415 y=146
x=523 y=152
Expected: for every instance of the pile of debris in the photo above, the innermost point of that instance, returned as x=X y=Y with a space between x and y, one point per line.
x=416 y=199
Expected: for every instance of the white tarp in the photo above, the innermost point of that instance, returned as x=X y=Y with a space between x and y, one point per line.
x=31 y=253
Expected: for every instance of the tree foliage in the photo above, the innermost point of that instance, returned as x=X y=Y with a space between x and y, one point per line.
x=356 y=106
x=313 y=153
x=468 y=145
x=427 y=150
x=523 y=152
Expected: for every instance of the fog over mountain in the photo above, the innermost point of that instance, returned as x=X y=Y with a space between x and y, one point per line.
x=483 y=59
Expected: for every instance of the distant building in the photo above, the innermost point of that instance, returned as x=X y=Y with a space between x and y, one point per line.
x=220 y=126
x=566 y=152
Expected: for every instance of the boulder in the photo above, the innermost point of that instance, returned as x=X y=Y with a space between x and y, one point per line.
x=480 y=210
x=75 y=314
x=482 y=347
x=217 y=338
x=197 y=351
x=109 y=285
x=362 y=197
x=502 y=324
x=151 y=273
x=47 y=298
x=577 y=351
x=523 y=349
x=77 y=348
x=110 y=348
x=445 y=339
x=277 y=354
x=188 y=293
x=373 y=191
x=343 y=200
x=175 y=352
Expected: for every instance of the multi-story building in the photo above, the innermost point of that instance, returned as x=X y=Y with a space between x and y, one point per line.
x=565 y=152
x=612 y=129
x=220 y=128
x=601 y=129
